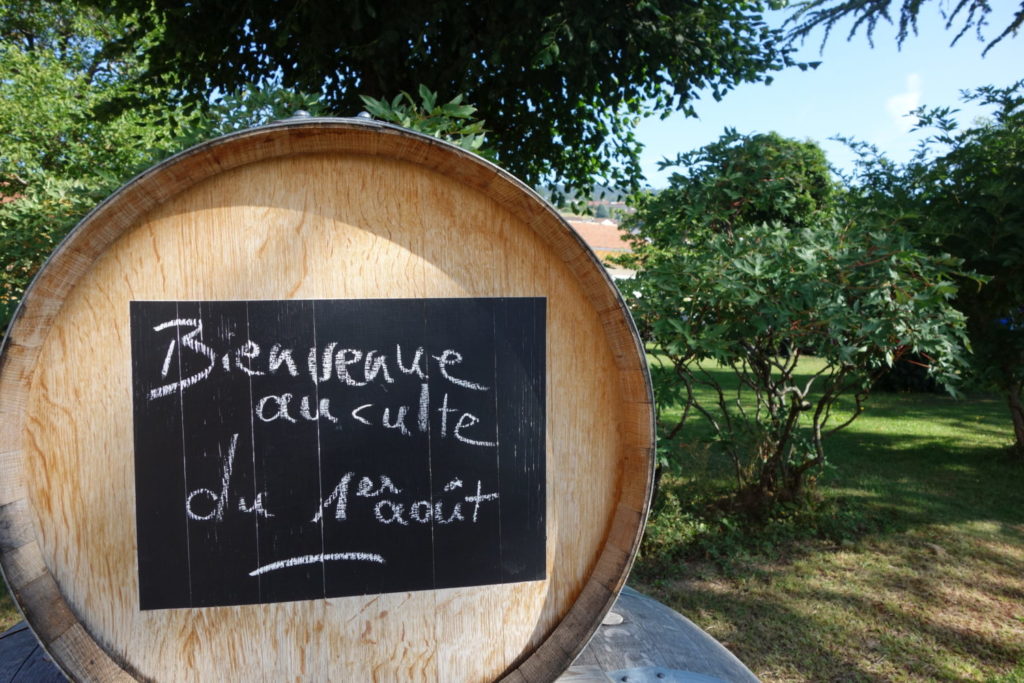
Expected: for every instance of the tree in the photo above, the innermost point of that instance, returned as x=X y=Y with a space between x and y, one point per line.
x=56 y=159
x=810 y=15
x=747 y=263
x=736 y=181
x=561 y=84
x=964 y=191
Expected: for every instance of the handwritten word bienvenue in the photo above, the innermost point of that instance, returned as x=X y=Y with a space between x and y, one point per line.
x=327 y=364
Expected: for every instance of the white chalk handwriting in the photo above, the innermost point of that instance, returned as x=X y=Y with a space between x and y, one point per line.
x=340 y=371
x=387 y=502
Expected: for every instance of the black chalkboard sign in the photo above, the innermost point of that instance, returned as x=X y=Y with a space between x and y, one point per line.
x=292 y=450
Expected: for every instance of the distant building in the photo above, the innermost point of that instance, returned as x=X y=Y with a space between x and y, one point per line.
x=606 y=239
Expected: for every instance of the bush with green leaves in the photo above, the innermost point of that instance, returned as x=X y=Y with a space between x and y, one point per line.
x=746 y=262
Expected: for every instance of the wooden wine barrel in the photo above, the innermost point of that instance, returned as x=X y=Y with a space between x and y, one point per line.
x=322 y=400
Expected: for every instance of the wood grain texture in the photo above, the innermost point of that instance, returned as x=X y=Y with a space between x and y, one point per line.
x=320 y=209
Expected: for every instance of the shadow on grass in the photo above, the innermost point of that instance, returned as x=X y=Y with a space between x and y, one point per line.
x=922 y=480
x=863 y=614
x=918 y=572
x=772 y=639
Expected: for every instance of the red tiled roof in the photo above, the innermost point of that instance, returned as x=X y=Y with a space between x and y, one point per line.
x=603 y=236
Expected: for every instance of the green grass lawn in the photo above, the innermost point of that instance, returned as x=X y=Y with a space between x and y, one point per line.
x=920 y=575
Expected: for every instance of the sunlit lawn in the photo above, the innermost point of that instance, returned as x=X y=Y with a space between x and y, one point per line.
x=933 y=591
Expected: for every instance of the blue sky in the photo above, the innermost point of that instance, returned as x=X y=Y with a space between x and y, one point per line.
x=858 y=91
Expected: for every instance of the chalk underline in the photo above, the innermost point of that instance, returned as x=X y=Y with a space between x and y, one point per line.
x=314 y=559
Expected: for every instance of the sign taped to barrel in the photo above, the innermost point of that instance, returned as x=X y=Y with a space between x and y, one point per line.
x=325 y=399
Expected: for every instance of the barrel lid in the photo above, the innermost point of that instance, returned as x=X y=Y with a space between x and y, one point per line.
x=217 y=371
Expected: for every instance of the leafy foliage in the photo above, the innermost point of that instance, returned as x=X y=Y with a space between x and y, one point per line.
x=247 y=107
x=747 y=263
x=964 y=191
x=56 y=159
x=738 y=181
x=810 y=15
x=918 y=488
x=452 y=121
x=562 y=84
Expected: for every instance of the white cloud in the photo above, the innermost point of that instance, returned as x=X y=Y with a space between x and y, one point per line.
x=901 y=104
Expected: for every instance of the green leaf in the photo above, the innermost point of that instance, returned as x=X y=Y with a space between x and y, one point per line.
x=428 y=98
